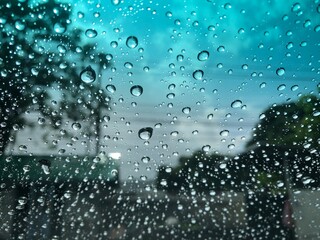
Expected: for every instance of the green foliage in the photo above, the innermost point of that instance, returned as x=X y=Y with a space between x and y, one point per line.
x=40 y=60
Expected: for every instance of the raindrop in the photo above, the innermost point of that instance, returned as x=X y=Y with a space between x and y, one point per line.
x=111 y=88
x=88 y=75
x=203 y=56
x=210 y=116
x=171 y=95
x=280 y=71
x=206 y=148
x=76 y=126
x=114 y=44
x=67 y=194
x=171 y=86
x=132 y=42
x=115 y=2
x=20 y=25
x=23 y=148
x=45 y=165
x=186 y=110
x=145 y=133
x=128 y=65
x=114 y=172
x=294 y=88
x=136 y=90
x=198 y=74
x=221 y=49
x=281 y=87
x=296 y=7
x=91 y=33
x=145 y=159
x=59 y=28
x=236 y=104
x=263 y=85
x=224 y=133
x=180 y=58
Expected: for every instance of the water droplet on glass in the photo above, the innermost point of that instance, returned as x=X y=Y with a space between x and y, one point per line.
x=132 y=42
x=281 y=87
x=114 y=172
x=145 y=159
x=145 y=133
x=224 y=133
x=203 y=56
x=236 y=104
x=91 y=33
x=128 y=65
x=210 y=116
x=221 y=49
x=23 y=148
x=294 y=88
x=88 y=75
x=296 y=7
x=111 y=88
x=115 y=2
x=171 y=95
x=19 y=25
x=186 y=110
x=45 y=165
x=198 y=74
x=136 y=90
x=76 y=126
x=59 y=28
x=280 y=71
x=206 y=148
x=171 y=86
x=263 y=85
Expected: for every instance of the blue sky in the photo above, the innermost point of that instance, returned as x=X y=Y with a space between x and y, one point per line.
x=258 y=37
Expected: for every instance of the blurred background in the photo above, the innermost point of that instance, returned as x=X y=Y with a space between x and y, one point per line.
x=159 y=119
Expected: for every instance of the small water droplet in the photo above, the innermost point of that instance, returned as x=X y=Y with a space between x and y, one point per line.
x=115 y=2
x=224 y=133
x=145 y=159
x=91 y=33
x=206 y=148
x=221 y=49
x=76 y=126
x=128 y=65
x=132 y=42
x=111 y=88
x=203 y=56
x=263 y=85
x=45 y=165
x=59 y=28
x=23 y=147
x=280 y=71
x=171 y=86
x=20 y=25
x=88 y=75
x=198 y=74
x=210 y=116
x=136 y=90
x=296 y=7
x=236 y=104
x=294 y=88
x=145 y=133
x=186 y=110
x=281 y=87
x=114 y=172
x=171 y=95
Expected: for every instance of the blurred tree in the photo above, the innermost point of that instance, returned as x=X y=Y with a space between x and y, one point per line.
x=41 y=64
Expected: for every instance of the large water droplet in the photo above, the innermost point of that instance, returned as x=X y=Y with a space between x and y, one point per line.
x=88 y=75
x=281 y=87
x=203 y=56
x=145 y=133
x=136 y=90
x=186 y=110
x=132 y=42
x=236 y=104
x=198 y=74
x=280 y=71
x=91 y=33
x=296 y=7
x=111 y=88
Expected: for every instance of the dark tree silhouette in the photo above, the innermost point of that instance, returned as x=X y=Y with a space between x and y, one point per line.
x=41 y=58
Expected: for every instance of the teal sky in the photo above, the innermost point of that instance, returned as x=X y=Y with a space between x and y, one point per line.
x=257 y=38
